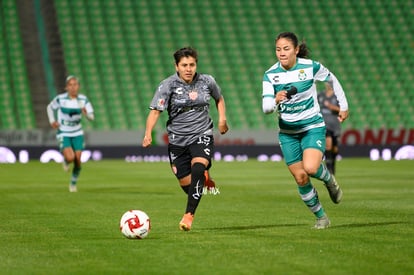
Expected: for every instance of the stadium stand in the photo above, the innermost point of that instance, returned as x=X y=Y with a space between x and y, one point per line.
x=16 y=107
x=122 y=49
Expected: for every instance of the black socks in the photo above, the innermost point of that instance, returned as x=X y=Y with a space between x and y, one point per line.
x=195 y=190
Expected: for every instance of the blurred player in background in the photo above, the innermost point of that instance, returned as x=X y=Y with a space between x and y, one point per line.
x=186 y=96
x=289 y=89
x=330 y=110
x=65 y=113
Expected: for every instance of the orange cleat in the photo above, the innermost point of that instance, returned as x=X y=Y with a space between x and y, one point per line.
x=186 y=221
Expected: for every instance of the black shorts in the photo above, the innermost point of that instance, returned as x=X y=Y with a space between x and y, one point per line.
x=334 y=137
x=180 y=157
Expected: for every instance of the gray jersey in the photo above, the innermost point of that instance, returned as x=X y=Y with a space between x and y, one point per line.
x=188 y=107
x=331 y=117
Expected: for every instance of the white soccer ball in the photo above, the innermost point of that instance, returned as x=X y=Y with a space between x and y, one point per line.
x=135 y=224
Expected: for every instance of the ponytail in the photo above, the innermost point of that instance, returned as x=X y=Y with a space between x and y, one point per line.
x=303 y=51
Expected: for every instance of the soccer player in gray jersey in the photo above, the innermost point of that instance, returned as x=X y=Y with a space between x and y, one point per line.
x=186 y=96
x=330 y=109
x=65 y=113
x=289 y=89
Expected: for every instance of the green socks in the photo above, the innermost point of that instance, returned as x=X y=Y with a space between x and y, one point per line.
x=322 y=174
x=309 y=195
x=75 y=175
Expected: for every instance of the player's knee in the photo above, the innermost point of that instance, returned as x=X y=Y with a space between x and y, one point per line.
x=69 y=155
x=70 y=158
x=301 y=177
x=310 y=169
x=197 y=169
x=185 y=180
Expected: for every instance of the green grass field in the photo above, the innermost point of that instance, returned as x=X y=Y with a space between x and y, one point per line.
x=257 y=225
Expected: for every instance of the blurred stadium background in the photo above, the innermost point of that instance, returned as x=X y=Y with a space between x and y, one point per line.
x=122 y=49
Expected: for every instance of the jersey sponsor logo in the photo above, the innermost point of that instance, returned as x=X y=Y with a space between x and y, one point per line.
x=207 y=151
x=276 y=79
x=70 y=123
x=179 y=91
x=291 y=109
x=295 y=109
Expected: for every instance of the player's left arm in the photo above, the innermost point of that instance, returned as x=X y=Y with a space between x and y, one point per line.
x=222 y=121
x=323 y=74
x=87 y=110
x=340 y=95
x=215 y=91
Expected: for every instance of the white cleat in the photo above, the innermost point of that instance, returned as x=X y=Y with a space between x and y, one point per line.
x=322 y=223
x=65 y=166
x=73 y=188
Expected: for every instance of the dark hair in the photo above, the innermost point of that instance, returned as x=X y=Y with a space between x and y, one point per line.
x=303 y=49
x=185 y=52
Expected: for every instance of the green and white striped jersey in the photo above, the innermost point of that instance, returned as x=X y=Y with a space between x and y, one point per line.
x=69 y=113
x=301 y=112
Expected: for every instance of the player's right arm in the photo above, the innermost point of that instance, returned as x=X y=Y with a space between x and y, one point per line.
x=151 y=121
x=51 y=116
x=268 y=97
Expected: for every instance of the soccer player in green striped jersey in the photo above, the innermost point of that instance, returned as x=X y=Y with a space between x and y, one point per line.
x=289 y=90
x=65 y=113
